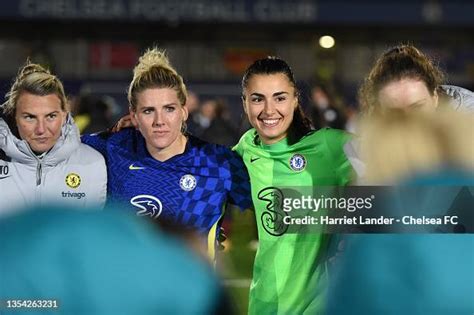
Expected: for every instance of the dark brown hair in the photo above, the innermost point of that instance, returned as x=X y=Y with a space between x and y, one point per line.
x=300 y=125
x=403 y=61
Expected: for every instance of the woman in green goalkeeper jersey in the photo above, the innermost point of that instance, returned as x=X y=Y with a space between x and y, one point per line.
x=290 y=269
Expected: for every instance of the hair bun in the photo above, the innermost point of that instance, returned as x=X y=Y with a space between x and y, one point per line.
x=30 y=68
x=152 y=58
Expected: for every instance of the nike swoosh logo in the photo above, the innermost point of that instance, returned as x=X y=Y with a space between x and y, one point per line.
x=3 y=177
x=134 y=168
x=254 y=159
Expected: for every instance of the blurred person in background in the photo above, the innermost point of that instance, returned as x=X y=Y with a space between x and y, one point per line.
x=205 y=116
x=159 y=170
x=41 y=155
x=326 y=111
x=404 y=77
x=107 y=262
x=221 y=130
x=281 y=150
x=412 y=274
x=192 y=104
x=93 y=113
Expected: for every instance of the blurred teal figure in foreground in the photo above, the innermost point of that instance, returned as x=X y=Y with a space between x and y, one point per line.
x=407 y=273
x=100 y=263
x=418 y=273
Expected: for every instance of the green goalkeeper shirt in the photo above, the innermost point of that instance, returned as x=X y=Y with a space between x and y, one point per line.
x=290 y=274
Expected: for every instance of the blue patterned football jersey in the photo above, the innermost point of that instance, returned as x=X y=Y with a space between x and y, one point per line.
x=189 y=189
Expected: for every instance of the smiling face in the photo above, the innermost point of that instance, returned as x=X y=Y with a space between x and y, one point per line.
x=407 y=94
x=270 y=102
x=39 y=120
x=159 y=116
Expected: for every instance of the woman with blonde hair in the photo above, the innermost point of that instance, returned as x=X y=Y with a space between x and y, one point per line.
x=160 y=171
x=42 y=159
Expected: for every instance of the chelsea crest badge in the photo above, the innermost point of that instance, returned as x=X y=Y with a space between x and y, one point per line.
x=73 y=180
x=297 y=162
x=187 y=182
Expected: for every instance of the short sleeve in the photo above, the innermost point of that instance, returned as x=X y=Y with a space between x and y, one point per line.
x=239 y=193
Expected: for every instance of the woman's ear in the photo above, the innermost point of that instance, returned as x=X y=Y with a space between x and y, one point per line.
x=297 y=99
x=133 y=117
x=243 y=105
x=185 y=113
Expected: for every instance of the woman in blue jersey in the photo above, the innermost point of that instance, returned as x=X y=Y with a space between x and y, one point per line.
x=282 y=150
x=160 y=171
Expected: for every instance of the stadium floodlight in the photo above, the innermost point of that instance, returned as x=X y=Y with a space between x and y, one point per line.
x=327 y=41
